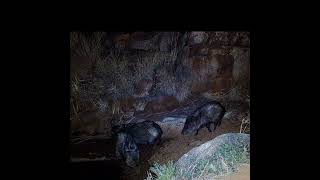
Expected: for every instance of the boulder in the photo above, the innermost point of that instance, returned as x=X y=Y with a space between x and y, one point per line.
x=219 y=156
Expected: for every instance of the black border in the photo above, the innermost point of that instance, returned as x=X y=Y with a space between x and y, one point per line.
x=51 y=75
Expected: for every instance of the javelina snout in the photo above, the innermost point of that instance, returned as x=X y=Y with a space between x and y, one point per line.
x=127 y=149
x=210 y=113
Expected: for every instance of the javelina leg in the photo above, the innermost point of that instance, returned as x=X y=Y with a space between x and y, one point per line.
x=219 y=122
x=209 y=127
x=215 y=126
x=197 y=132
x=118 y=155
x=157 y=142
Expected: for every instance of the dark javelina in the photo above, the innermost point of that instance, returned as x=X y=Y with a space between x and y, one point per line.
x=128 y=136
x=147 y=132
x=127 y=149
x=210 y=113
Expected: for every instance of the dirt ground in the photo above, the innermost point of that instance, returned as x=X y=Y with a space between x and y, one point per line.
x=242 y=174
x=172 y=146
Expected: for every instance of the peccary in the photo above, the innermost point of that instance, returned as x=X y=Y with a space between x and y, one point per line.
x=127 y=149
x=210 y=113
x=147 y=132
x=128 y=136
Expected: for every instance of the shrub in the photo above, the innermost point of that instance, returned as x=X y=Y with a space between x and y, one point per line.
x=85 y=92
x=217 y=157
x=87 y=45
x=162 y=172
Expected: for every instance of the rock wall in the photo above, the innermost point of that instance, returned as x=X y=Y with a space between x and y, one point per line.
x=155 y=72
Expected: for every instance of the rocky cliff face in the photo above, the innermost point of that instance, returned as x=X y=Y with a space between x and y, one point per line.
x=132 y=73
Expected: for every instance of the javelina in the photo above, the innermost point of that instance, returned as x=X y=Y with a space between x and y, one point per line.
x=127 y=149
x=210 y=113
x=128 y=136
x=147 y=132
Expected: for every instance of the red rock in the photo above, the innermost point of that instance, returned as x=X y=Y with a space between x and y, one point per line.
x=198 y=87
x=221 y=85
x=204 y=68
x=122 y=40
x=217 y=78
x=163 y=104
x=225 y=65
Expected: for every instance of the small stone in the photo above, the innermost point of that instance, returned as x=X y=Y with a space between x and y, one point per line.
x=195 y=143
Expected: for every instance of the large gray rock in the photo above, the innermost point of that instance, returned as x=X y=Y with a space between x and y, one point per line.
x=216 y=157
